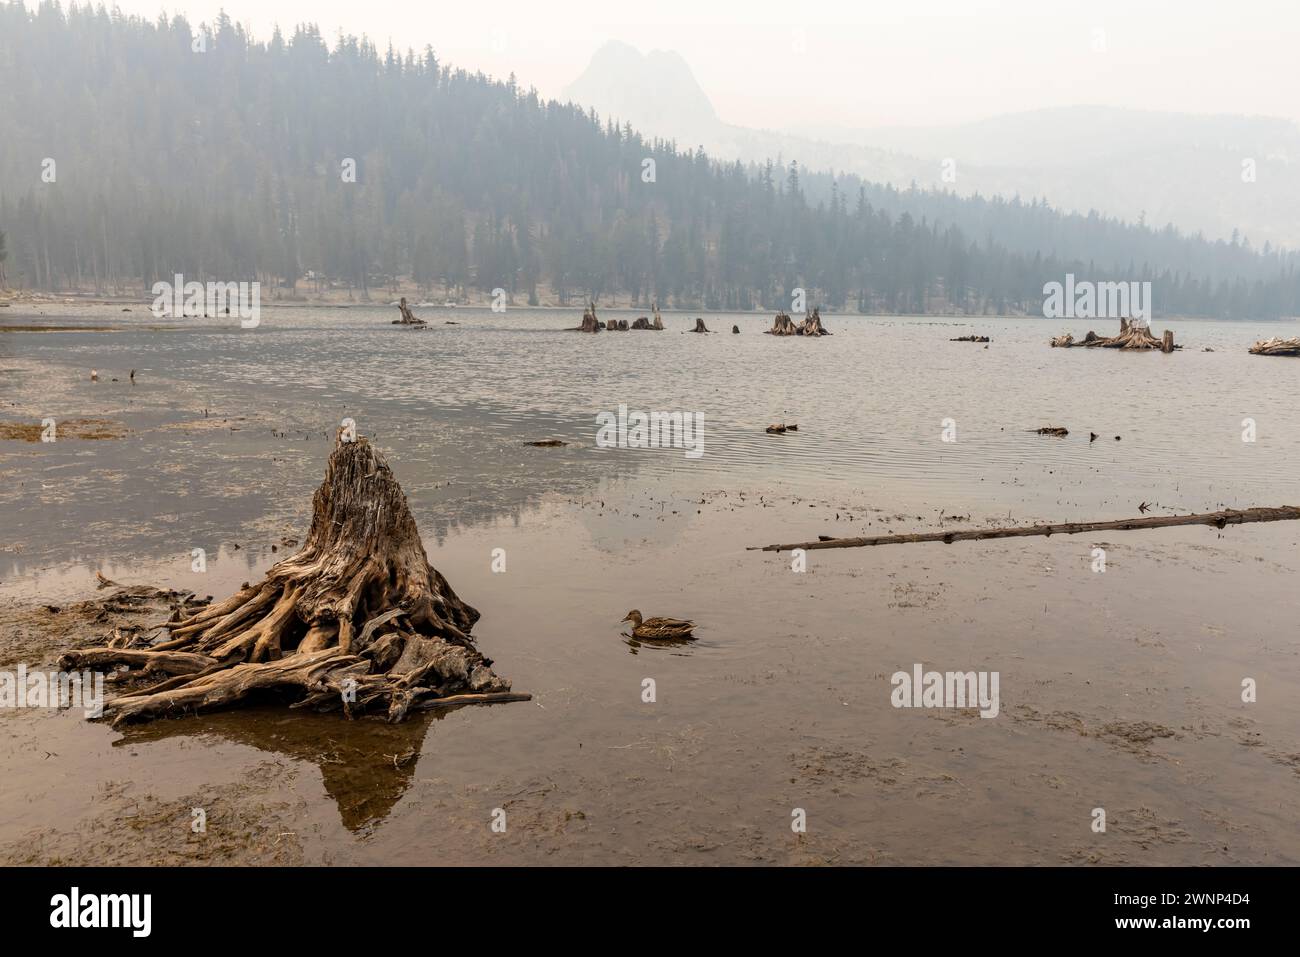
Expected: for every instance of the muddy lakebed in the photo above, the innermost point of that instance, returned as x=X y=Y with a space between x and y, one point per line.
x=1119 y=690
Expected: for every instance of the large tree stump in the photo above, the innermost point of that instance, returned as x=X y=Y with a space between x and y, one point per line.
x=812 y=325
x=783 y=325
x=1132 y=335
x=699 y=326
x=1276 y=347
x=358 y=619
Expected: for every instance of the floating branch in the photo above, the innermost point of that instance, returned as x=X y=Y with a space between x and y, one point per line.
x=1229 y=516
x=358 y=620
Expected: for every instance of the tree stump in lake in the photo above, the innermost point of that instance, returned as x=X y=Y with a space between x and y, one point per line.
x=812 y=325
x=589 y=321
x=357 y=620
x=1276 y=347
x=699 y=326
x=641 y=323
x=1132 y=335
x=783 y=325
x=407 y=317
x=658 y=324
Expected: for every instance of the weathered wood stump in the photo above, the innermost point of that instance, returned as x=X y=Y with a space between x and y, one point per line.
x=589 y=321
x=1276 y=347
x=357 y=620
x=783 y=325
x=659 y=322
x=407 y=317
x=812 y=325
x=1132 y=335
x=642 y=323
x=735 y=329
x=699 y=326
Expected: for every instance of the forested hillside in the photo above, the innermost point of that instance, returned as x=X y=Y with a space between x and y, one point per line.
x=231 y=162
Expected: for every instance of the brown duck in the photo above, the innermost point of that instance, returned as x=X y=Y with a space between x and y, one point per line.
x=658 y=629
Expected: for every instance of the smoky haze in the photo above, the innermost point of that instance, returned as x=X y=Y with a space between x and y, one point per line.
x=921 y=62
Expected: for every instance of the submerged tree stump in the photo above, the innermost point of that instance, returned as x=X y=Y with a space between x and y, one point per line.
x=658 y=324
x=407 y=317
x=642 y=323
x=1132 y=335
x=699 y=326
x=783 y=325
x=357 y=620
x=1276 y=347
x=812 y=325
x=589 y=321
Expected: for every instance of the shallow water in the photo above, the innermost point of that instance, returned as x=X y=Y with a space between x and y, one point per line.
x=783 y=702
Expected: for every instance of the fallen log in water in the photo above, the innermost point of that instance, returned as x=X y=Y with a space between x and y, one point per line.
x=1231 y=516
x=1276 y=347
x=358 y=620
x=971 y=339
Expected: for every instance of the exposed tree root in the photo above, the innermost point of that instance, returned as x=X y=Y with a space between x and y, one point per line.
x=358 y=620
x=1276 y=347
x=783 y=325
x=1131 y=336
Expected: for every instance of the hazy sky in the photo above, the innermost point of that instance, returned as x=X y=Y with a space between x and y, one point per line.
x=782 y=64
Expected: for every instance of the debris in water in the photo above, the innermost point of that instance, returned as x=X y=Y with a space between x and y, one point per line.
x=1221 y=519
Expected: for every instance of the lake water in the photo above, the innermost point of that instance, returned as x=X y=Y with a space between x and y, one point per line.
x=784 y=700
